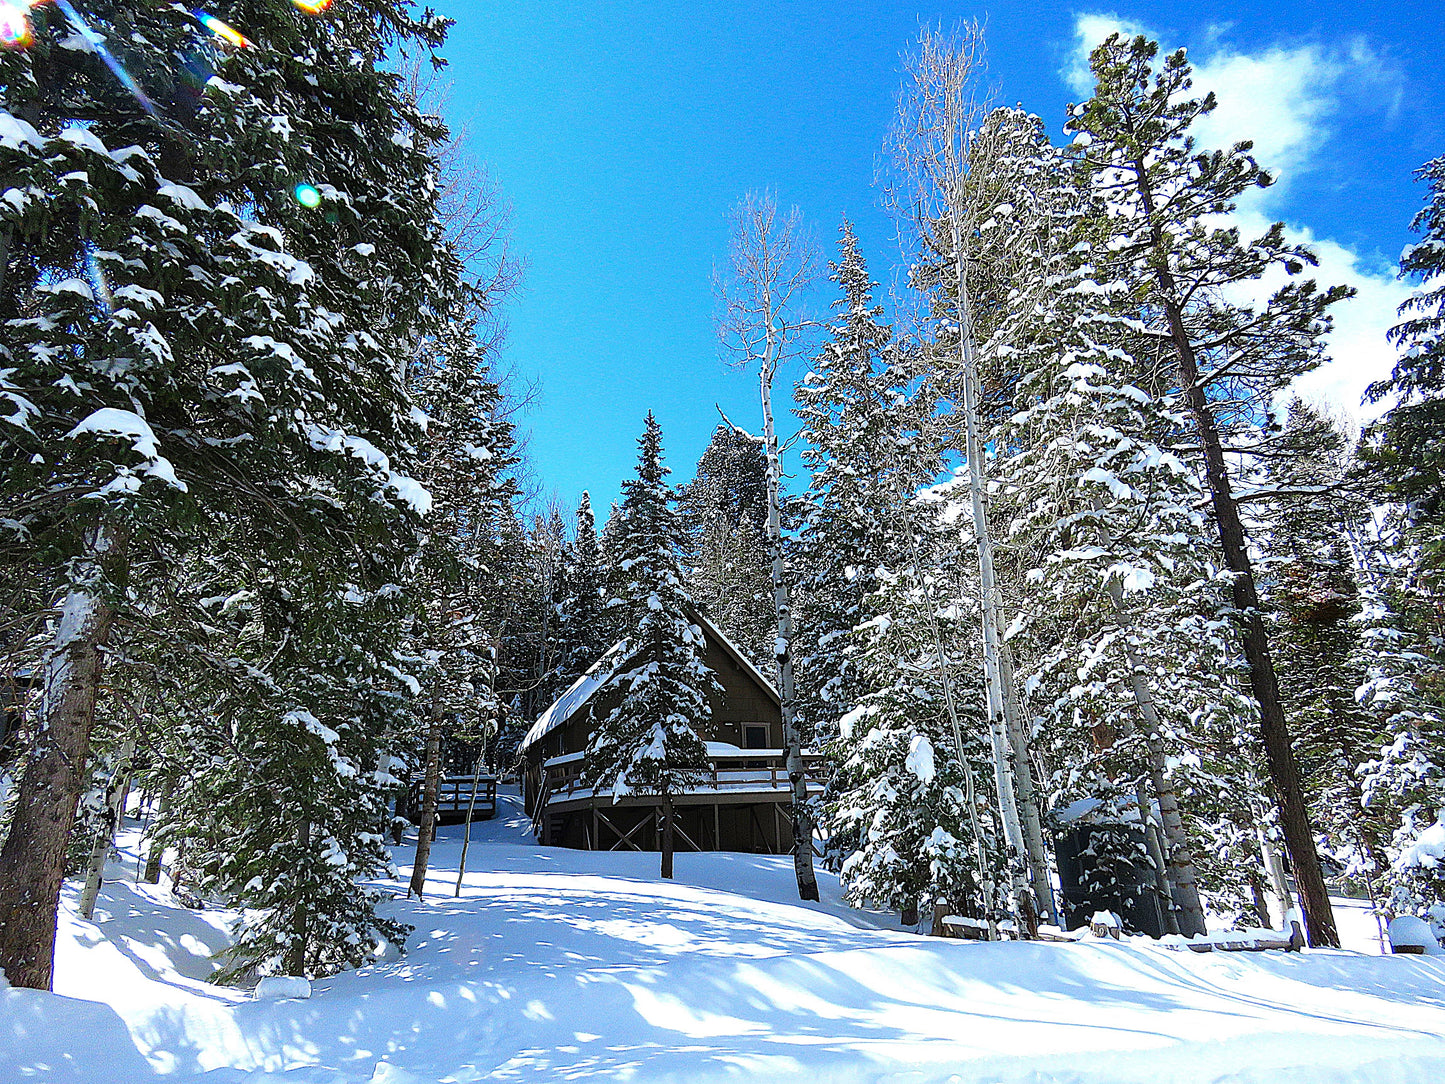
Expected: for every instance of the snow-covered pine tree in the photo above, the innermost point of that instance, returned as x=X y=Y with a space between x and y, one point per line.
x=724 y=513
x=466 y=451
x=1159 y=238
x=865 y=443
x=185 y=340
x=1313 y=592
x=1404 y=446
x=649 y=743
x=1404 y=783
x=906 y=820
x=1101 y=536
x=1405 y=690
x=582 y=624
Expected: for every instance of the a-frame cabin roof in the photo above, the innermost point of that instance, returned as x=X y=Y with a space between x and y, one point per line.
x=600 y=672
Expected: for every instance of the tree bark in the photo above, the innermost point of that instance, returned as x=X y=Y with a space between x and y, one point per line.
x=1155 y=844
x=114 y=807
x=1027 y=792
x=430 y=779
x=467 y=838
x=1179 y=864
x=992 y=672
x=667 y=840
x=156 y=850
x=1263 y=682
x=295 y=960
x=792 y=740
x=32 y=863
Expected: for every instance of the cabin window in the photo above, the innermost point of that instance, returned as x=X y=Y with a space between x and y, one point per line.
x=755 y=736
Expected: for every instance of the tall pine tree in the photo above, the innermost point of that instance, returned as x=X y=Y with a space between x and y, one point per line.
x=649 y=743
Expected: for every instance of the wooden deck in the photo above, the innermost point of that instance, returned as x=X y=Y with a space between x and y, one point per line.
x=741 y=803
x=454 y=796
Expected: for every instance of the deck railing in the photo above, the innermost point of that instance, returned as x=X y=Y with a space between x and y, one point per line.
x=749 y=770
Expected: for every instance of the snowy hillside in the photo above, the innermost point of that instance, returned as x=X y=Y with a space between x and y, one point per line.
x=565 y=965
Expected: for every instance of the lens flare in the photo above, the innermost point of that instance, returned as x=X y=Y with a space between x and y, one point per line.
x=308 y=195
x=221 y=30
x=98 y=44
x=15 y=32
x=312 y=7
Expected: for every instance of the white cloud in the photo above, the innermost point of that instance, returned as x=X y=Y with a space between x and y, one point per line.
x=1089 y=31
x=1358 y=351
x=1282 y=99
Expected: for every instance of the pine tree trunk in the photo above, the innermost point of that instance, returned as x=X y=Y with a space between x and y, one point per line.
x=431 y=776
x=1263 y=683
x=792 y=740
x=1261 y=905
x=295 y=960
x=114 y=807
x=32 y=863
x=667 y=840
x=988 y=588
x=156 y=849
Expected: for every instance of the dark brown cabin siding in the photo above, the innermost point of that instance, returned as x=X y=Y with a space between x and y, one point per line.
x=743 y=701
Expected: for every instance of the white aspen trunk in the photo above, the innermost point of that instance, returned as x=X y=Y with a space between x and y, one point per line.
x=792 y=740
x=993 y=685
x=985 y=882
x=1274 y=866
x=1027 y=792
x=467 y=838
x=1183 y=881
x=115 y=795
x=1154 y=841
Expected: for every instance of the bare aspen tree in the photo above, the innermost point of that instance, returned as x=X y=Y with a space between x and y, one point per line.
x=771 y=262
x=933 y=147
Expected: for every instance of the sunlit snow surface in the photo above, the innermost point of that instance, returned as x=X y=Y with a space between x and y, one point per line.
x=563 y=965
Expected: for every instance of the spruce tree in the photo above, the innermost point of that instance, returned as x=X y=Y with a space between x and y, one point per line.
x=903 y=812
x=1405 y=690
x=1160 y=240
x=1405 y=445
x=188 y=344
x=582 y=624
x=724 y=513
x=868 y=451
x=1314 y=592
x=649 y=743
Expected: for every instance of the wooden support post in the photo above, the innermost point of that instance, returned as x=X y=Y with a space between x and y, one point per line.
x=716 y=827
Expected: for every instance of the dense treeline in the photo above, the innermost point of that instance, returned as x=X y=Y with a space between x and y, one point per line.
x=1065 y=558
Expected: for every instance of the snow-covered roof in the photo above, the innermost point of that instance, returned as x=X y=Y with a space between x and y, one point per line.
x=577 y=694
x=581 y=690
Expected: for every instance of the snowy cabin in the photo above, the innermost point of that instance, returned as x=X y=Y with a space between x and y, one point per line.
x=742 y=805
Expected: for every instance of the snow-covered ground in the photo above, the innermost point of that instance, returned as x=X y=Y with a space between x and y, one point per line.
x=560 y=965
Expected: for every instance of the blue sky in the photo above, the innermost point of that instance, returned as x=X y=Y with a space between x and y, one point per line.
x=621 y=133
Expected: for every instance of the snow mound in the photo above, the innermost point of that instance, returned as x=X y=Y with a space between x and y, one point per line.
x=282 y=986
x=1407 y=932
x=568 y=965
